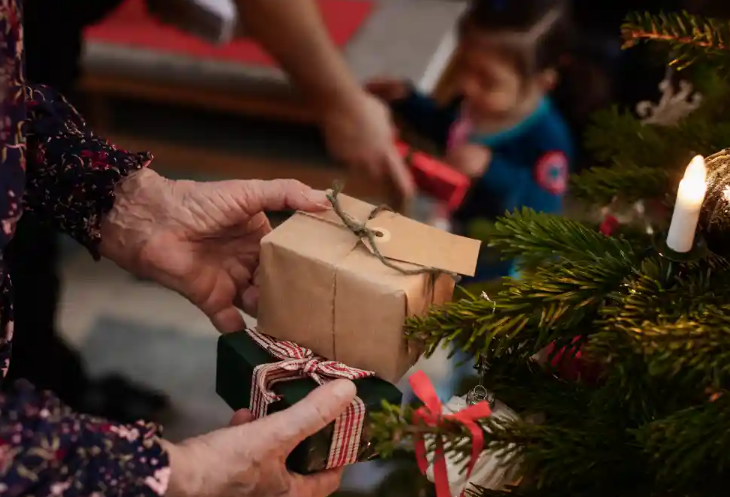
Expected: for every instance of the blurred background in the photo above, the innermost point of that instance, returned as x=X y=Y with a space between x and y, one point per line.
x=211 y=113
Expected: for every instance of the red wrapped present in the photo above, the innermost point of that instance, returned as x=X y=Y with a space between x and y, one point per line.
x=435 y=178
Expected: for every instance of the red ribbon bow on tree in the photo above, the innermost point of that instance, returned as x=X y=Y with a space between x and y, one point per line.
x=431 y=415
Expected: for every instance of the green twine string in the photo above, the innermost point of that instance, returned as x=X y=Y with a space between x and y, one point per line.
x=360 y=230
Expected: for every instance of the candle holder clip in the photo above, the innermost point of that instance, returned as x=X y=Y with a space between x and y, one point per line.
x=698 y=252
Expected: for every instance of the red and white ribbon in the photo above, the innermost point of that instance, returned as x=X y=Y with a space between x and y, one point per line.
x=298 y=362
x=431 y=416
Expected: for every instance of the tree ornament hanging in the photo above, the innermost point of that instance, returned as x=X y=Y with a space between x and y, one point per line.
x=490 y=470
x=646 y=216
x=674 y=104
x=715 y=216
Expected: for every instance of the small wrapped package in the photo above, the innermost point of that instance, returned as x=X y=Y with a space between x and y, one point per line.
x=259 y=373
x=491 y=470
x=435 y=178
x=342 y=282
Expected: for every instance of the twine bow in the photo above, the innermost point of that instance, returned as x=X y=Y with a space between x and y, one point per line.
x=298 y=362
x=431 y=415
x=361 y=230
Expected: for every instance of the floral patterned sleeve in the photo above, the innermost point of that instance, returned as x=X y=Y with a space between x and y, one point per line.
x=47 y=449
x=69 y=179
x=71 y=172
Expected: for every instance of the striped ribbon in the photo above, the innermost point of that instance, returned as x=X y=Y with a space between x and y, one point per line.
x=298 y=362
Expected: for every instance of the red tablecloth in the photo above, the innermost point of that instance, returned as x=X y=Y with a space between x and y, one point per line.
x=131 y=26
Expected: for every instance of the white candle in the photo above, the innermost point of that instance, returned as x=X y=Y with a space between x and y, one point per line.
x=690 y=196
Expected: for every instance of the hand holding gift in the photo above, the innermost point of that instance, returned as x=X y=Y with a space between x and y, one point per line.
x=200 y=239
x=247 y=460
x=264 y=375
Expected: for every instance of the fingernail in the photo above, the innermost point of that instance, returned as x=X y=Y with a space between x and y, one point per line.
x=344 y=388
x=324 y=204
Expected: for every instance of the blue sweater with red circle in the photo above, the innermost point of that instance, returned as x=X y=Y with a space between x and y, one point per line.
x=529 y=168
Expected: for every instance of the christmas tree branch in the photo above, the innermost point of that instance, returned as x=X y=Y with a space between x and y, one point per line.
x=663 y=291
x=640 y=378
x=689 y=451
x=619 y=140
x=549 y=457
x=480 y=229
x=690 y=37
x=533 y=389
x=681 y=28
x=538 y=236
x=556 y=301
x=618 y=136
x=509 y=491
x=629 y=394
x=696 y=354
x=600 y=185
x=477 y=491
x=515 y=491
x=396 y=427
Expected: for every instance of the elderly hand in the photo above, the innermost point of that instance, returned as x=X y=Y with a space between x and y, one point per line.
x=360 y=133
x=247 y=459
x=200 y=239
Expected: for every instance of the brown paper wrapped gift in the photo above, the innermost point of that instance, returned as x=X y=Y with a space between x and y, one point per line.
x=323 y=287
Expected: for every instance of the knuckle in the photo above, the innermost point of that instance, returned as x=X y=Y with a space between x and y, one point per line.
x=293 y=185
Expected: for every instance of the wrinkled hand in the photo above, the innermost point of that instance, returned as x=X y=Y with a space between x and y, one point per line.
x=200 y=239
x=248 y=458
x=360 y=133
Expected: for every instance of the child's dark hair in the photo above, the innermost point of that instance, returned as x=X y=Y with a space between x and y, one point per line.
x=536 y=34
x=539 y=35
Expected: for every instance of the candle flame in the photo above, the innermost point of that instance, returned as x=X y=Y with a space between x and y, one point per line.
x=696 y=171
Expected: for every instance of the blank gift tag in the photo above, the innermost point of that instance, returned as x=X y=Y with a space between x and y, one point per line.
x=403 y=239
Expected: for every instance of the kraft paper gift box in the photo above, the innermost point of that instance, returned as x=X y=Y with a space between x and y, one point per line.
x=322 y=286
x=241 y=353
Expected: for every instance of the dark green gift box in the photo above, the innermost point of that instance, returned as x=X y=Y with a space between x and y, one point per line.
x=239 y=354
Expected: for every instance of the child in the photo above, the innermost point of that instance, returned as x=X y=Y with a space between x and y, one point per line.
x=502 y=130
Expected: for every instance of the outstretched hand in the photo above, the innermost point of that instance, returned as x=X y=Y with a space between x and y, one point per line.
x=201 y=239
x=360 y=133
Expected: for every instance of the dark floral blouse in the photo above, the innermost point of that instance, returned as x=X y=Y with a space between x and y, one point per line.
x=52 y=165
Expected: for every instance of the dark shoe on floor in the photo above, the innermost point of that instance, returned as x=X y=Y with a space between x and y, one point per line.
x=120 y=400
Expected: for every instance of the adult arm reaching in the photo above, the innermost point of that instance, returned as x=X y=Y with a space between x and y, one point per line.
x=357 y=127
